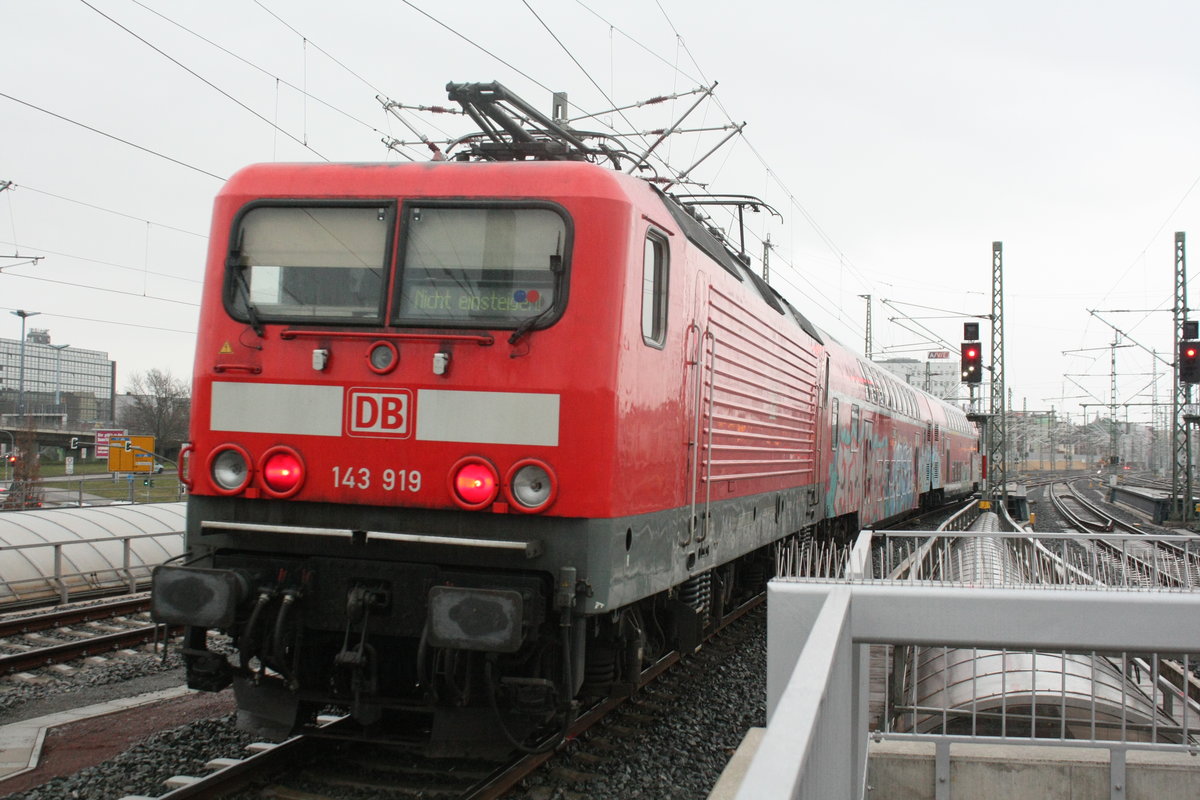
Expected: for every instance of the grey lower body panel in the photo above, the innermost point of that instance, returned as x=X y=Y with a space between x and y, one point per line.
x=618 y=561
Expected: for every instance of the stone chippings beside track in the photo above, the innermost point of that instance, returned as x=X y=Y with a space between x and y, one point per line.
x=144 y=768
x=677 y=753
x=85 y=682
x=643 y=752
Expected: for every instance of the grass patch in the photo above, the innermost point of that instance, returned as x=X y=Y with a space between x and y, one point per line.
x=89 y=467
x=164 y=490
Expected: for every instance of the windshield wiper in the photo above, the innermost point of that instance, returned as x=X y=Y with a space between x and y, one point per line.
x=556 y=268
x=251 y=311
x=526 y=326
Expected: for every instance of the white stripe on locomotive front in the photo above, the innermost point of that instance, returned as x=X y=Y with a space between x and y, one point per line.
x=520 y=418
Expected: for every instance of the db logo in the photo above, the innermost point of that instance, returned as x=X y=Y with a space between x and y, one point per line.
x=375 y=412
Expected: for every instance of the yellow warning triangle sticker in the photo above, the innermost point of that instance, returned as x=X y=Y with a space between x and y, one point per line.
x=225 y=348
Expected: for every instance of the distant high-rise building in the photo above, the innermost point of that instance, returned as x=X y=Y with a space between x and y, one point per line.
x=64 y=386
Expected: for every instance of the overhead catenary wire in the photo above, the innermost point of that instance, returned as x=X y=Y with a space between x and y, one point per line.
x=76 y=285
x=585 y=72
x=52 y=315
x=114 y=265
x=113 y=211
x=112 y=136
x=267 y=72
x=206 y=81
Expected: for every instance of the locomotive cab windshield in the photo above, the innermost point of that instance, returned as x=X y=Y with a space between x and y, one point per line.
x=309 y=263
x=493 y=265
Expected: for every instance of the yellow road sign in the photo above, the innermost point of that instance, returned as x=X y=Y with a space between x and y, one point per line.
x=131 y=454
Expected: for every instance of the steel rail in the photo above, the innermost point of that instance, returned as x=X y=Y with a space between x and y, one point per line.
x=243 y=771
x=58 y=618
x=1061 y=506
x=1148 y=560
x=71 y=650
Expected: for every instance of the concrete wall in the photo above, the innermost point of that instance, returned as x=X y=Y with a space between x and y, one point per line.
x=905 y=771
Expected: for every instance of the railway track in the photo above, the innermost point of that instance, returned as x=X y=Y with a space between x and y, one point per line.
x=1151 y=563
x=327 y=764
x=39 y=640
x=1079 y=512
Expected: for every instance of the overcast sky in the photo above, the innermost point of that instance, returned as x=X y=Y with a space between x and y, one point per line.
x=898 y=140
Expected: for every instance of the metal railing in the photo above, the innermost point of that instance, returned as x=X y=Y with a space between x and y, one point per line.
x=1166 y=562
x=59 y=578
x=1041 y=639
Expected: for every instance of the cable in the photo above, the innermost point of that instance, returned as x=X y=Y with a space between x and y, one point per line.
x=649 y=51
x=198 y=76
x=111 y=136
x=107 y=322
x=323 y=52
x=477 y=46
x=28 y=188
x=264 y=71
x=100 y=289
x=139 y=270
x=582 y=69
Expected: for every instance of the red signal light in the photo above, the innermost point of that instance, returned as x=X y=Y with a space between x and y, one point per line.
x=972 y=367
x=474 y=483
x=282 y=471
x=1188 y=363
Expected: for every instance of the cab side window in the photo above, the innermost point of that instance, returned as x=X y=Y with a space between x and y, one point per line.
x=655 y=262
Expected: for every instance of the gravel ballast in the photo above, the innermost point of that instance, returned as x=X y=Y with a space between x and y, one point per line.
x=678 y=755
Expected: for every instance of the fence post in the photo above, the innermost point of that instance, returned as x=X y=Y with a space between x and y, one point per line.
x=58 y=574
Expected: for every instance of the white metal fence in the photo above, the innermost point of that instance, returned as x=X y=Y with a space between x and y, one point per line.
x=1032 y=639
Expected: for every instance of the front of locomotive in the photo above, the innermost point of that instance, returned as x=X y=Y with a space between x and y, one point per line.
x=387 y=513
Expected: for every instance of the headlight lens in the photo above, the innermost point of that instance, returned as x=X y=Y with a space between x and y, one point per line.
x=230 y=469
x=531 y=485
x=382 y=357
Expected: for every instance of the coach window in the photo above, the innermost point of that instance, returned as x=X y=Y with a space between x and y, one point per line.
x=833 y=424
x=855 y=416
x=302 y=263
x=655 y=260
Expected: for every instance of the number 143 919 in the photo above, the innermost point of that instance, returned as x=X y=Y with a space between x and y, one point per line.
x=398 y=480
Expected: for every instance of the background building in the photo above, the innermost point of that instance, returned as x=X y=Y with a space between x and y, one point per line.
x=939 y=374
x=65 y=386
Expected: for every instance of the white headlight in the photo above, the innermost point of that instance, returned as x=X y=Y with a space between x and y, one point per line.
x=229 y=469
x=531 y=486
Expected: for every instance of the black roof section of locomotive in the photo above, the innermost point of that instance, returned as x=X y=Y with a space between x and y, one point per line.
x=699 y=235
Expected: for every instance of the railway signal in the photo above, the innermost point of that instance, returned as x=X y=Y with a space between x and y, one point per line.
x=1189 y=361
x=972 y=369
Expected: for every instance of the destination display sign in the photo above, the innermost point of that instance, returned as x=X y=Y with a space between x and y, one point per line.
x=462 y=302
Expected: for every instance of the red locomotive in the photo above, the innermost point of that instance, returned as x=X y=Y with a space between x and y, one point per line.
x=473 y=437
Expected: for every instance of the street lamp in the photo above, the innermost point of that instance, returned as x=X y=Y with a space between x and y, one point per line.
x=58 y=376
x=21 y=372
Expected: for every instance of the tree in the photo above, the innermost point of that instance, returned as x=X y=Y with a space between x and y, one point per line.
x=26 y=490
x=158 y=405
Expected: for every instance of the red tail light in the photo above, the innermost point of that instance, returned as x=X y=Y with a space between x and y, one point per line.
x=282 y=471
x=474 y=483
